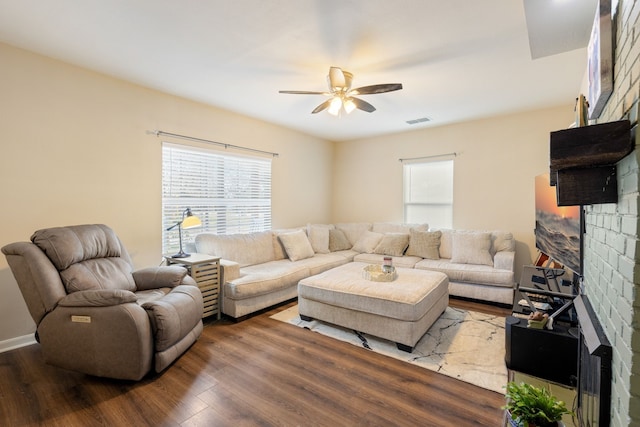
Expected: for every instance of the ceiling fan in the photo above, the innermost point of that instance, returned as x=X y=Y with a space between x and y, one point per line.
x=342 y=96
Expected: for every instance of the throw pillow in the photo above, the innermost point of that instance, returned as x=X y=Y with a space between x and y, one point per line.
x=338 y=241
x=367 y=242
x=319 y=237
x=278 y=249
x=297 y=245
x=425 y=244
x=393 y=244
x=502 y=241
x=471 y=248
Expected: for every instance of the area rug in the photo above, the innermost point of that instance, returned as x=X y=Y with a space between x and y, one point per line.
x=461 y=344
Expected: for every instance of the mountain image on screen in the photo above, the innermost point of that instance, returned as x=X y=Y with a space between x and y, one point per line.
x=558 y=228
x=559 y=238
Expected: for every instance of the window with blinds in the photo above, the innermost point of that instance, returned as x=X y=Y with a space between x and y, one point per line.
x=428 y=193
x=229 y=193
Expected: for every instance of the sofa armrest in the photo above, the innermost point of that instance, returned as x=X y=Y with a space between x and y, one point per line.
x=505 y=260
x=98 y=298
x=229 y=270
x=159 y=277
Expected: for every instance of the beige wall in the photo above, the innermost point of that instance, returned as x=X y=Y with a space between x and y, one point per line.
x=497 y=160
x=75 y=150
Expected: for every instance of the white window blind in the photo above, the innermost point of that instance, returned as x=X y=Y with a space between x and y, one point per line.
x=229 y=193
x=428 y=193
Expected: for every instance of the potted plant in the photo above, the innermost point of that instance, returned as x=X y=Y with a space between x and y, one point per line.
x=530 y=406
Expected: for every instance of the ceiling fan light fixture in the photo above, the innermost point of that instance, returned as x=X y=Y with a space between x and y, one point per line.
x=342 y=97
x=336 y=105
x=349 y=105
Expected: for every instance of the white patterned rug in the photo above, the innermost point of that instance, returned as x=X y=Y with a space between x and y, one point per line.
x=461 y=344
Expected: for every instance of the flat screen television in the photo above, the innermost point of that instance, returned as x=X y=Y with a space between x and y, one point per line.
x=558 y=228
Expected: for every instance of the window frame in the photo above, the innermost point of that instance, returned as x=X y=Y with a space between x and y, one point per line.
x=229 y=192
x=446 y=202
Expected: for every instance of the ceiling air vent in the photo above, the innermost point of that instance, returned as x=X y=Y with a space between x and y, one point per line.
x=420 y=120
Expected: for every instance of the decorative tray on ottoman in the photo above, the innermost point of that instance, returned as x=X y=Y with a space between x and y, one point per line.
x=375 y=273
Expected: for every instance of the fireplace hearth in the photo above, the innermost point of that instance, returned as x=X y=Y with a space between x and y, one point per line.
x=594 y=368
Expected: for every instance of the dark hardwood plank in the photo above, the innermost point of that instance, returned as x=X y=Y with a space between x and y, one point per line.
x=256 y=372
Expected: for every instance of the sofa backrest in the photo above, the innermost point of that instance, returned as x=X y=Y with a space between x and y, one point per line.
x=353 y=230
x=245 y=249
x=500 y=241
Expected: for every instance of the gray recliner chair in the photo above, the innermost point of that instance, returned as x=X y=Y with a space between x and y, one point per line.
x=94 y=314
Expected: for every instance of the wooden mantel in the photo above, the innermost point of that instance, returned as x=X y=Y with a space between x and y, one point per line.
x=582 y=162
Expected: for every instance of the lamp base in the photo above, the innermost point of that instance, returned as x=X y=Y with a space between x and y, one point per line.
x=181 y=255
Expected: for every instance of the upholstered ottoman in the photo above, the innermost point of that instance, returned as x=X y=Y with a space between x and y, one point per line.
x=400 y=311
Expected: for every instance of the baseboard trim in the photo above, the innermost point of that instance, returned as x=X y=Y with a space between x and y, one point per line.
x=17 y=342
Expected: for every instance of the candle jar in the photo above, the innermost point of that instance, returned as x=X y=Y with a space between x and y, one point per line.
x=387 y=264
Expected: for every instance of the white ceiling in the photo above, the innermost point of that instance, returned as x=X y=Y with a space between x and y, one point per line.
x=457 y=59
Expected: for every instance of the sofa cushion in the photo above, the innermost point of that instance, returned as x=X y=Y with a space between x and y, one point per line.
x=319 y=237
x=338 y=241
x=245 y=249
x=296 y=245
x=367 y=242
x=471 y=248
x=348 y=254
x=469 y=273
x=393 y=244
x=353 y=230
x=323 y=262
x=265 y=278
x=425 y=244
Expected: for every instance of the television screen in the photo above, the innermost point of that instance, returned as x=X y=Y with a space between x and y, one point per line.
x=558 y=228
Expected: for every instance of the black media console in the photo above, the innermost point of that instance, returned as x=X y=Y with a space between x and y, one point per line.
x=550 y=355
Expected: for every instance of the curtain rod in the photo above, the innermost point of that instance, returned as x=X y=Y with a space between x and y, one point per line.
x=428 y=157
x=219 y=144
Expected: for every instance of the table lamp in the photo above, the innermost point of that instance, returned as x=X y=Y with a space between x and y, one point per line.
x=189 y=220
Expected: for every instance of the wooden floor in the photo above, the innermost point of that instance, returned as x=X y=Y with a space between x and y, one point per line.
x=256 y=372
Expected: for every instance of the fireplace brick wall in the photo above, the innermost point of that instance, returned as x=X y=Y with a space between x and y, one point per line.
x=611 y=244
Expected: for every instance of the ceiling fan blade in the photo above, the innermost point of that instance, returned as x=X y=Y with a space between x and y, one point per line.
x=303 y=92
x=336 y=78
x=322 y=106
x=369 y=90
x=363 y=105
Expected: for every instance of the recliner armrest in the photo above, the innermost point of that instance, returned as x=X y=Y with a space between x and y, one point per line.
x=504 y=260
x=98 y=298
x=160 y=277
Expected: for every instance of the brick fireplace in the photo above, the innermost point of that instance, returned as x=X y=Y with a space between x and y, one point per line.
x=611 y=244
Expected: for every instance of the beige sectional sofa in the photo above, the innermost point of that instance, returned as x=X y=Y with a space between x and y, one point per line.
x=261 y=269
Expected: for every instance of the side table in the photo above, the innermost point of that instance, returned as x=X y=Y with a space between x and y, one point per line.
x=205 y=270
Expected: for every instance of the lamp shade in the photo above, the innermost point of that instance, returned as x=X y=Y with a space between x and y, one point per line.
x=191 y=221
